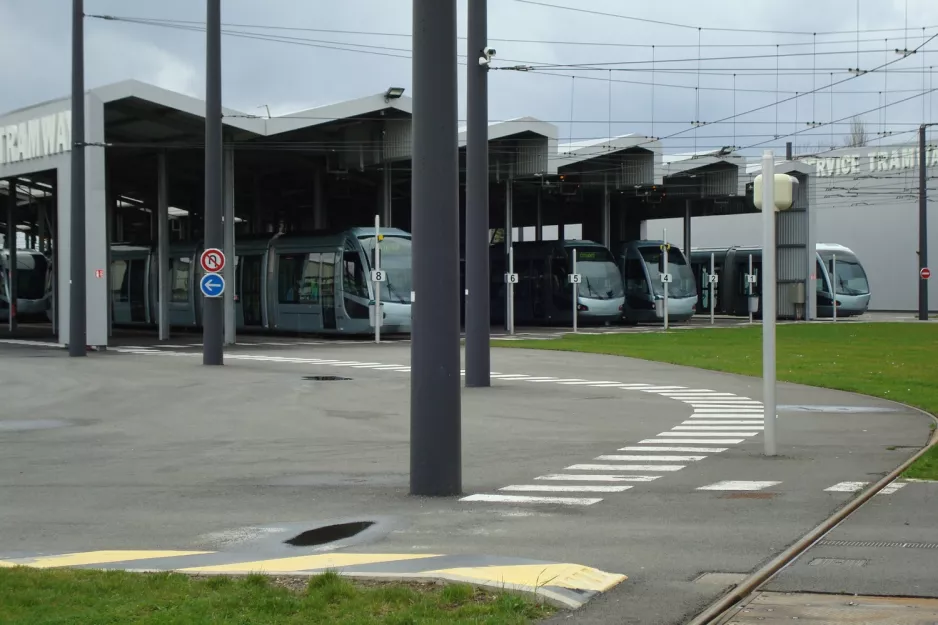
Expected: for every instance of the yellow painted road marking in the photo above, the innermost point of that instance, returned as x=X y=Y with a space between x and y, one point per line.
x=306 y=563
x=99 y=557
x=571 y=576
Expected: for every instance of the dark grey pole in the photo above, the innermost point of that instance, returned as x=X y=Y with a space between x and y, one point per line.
x=788 y=151
x=688 y=214
x=213 y=308
x=11 y=246
x=77 y=326
x=478 y=315
x=435 y=436
x=922 y=227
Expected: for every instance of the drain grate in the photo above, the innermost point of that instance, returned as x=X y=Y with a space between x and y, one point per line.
x=875 y=543
x=329 y=534
x=324 y=378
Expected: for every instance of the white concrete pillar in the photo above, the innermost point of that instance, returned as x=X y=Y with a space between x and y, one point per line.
x=96 y=230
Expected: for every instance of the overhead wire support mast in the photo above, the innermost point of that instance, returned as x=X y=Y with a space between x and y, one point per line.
x=77 y=323
x=213 y=307
x=478 y=315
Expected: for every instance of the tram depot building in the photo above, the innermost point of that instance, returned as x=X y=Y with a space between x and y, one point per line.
x=337 y=166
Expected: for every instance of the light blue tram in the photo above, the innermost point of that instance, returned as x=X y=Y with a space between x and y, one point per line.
x=317 y=283
x=642 y=263
x=33 y=282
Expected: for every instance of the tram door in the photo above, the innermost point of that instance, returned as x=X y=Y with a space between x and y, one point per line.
x=250 y=270
x=327 y=290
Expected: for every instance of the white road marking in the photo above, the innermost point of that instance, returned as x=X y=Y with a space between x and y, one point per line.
x=541 y=379
x=738 y=485
x=717 y=409
x=704 y=441
x=567 y=501
x=556 y=381
x=609 y=384
x=891 y=488
x=705 y=428
x=589 y=382
x=366 y=365
x=565 y=477
x=729 y=401
x=624 y=467
x=617 y=458
x=846 y=487
x=701 y=434
x=697 y=393
x=658 y=389
x=720 y=422
x=703 y=450
x=727 y=415
x=554 y=488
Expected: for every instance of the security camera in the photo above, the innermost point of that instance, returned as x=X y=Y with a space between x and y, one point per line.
x=487 y=54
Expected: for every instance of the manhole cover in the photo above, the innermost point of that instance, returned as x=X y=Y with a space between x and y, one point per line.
x=31 y=424
x=324 y=378
x=328 y=534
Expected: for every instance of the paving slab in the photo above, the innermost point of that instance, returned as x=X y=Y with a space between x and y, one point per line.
x=144 y=449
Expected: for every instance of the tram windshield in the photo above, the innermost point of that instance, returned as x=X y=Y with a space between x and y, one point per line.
x=851 y=279
x=30 y=276
x=600 y=276
x=397 y=263
x=682 y=277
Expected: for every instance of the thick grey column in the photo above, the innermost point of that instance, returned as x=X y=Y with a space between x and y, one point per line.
x=687 y=232
x=110 y=214
x=229 y=271
x=509 y=240
x=162 y=209
x=213 y=307
x=922 y=228
x=11 y=246
x=435 y=419
x=77 y=327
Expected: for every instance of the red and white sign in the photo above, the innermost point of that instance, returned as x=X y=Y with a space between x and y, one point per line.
x=98 y=273
x=212 y=260
x=925 y=273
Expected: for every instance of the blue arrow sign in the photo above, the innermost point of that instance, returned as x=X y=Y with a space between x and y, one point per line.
x=212 y=285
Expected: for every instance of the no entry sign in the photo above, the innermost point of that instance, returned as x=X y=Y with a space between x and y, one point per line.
x=212 y=260
x=925 y=273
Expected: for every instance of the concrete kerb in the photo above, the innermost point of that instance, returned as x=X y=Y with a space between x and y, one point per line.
x=563 y=585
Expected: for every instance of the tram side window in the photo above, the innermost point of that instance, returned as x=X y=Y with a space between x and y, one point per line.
x=181 y=271
x=309 y=283
x=558 y=275
x=353 y=275
x=289 y=277
x=119 y=291
x=818 y=278
x=635 y=282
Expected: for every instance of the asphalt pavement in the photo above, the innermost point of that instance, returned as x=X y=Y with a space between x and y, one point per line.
x=142 y=448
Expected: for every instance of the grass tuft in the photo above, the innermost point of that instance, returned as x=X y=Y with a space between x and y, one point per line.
x=887 y=360
x=58 y=596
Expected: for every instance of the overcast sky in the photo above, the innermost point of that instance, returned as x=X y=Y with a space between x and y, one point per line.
x=35 y=44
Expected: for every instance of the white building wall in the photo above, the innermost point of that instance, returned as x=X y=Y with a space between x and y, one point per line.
x=874 y=214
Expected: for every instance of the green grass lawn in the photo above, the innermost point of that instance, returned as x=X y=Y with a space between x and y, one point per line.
x=62 y=596
x=894 y=361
